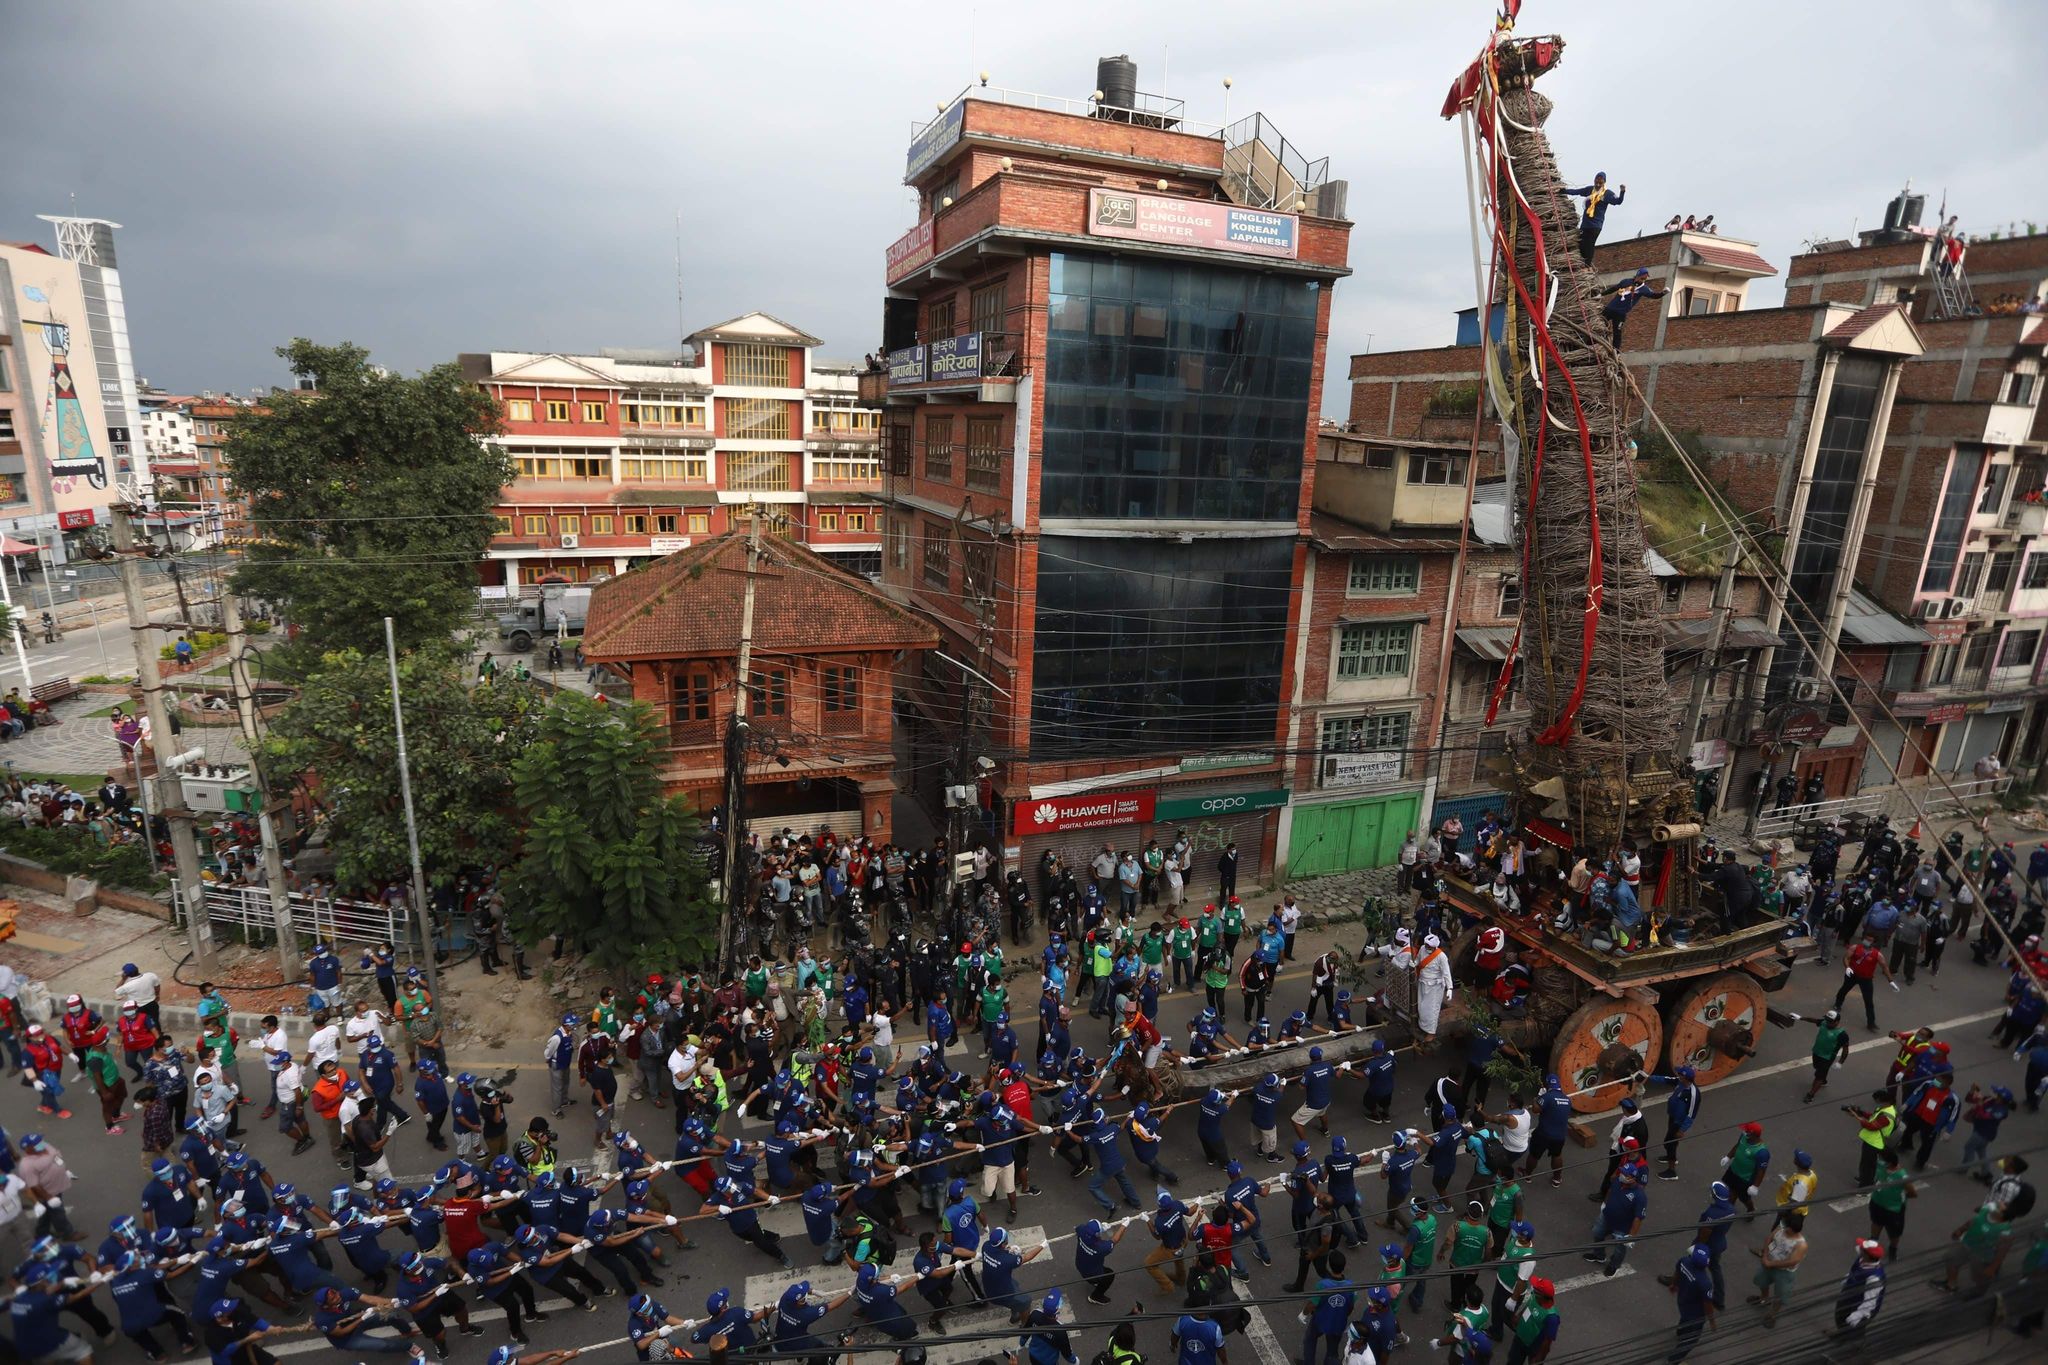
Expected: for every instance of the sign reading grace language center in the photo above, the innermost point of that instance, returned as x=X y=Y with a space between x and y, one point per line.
x=908 y=252
x=1053 y=813
x=1202 y=223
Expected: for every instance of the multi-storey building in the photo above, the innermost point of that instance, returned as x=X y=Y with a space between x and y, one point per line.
x=167 y=426
x=1104 y=343
x=1795 y=412
x=629 y=455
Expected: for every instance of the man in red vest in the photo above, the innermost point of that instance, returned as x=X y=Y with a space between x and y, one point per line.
x=1864 y=962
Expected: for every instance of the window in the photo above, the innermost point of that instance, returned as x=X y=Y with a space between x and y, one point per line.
x=2019 y=388
x=1901 y=667
x=1995 y=480
x=691 y=710
x=558 y=410
x=643 y=467
x=699 y=523
x=939 y=318
x=633 y=524
x=5 y=383
x=1379 y=457
x=2018 y=648
x=593 y=412
x=757 y=471
x=1941 y=665
x=2035 y=573
x=752 y=365
x=536 y=526
x=1510 y=594
x=1435 y=467
x=828 y=521
x=990 y=305
x=756 y=419
x=898 y=537
x=896 y=443
x=600 y=526
x=985 y=453
x=643 y=411
x=978 y=563
x=1377 y=574
x=938 y=448
x=938 y=559
x=1702 y=301
x=856 y=521
x=519 y=409
x=836 y=469
x=554 y=467
x=1977 y=653
x=1999 y=576
x=842 y=690
x=569 y=526
x=504 y=526
x=770 y=688
x=1971 y=575
x=533 y=573
x=1366 y=734
x=664 y=523
x=1366 y=651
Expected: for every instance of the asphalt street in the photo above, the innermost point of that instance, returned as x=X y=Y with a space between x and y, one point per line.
x=1627 y=1317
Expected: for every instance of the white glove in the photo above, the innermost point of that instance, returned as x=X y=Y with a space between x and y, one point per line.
x=1724 y=1163
x=671 y=1220
x=1894 y=985
x=1752 y=1191
x=724 y=1208
x=1793 y=1016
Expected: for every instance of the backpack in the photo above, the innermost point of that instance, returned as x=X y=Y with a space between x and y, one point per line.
x=2021 y=1204
x=1498 y=1158
x=881 y=1245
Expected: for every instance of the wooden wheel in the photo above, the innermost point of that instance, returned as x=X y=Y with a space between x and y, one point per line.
x=1464 y=951
x=1605 y=1040
x=1714 y=1025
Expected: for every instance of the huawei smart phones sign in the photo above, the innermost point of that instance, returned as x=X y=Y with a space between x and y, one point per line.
x=1055 y=813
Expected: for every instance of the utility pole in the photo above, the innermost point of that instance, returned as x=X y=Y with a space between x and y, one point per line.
x=412 y=829
x=170 y=789
x=736 y=744
x=972 y=714
x=273 y=858
x=1704 y=672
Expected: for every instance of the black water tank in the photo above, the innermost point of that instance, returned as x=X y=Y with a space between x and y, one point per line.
x=1909 y=216
x=1117 y=79
x=1891 y=212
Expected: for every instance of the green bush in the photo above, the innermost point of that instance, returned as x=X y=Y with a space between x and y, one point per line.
x=102 y=678
x=257 y=627
x=76 y=852
x=1454 y=398
x=202 y=641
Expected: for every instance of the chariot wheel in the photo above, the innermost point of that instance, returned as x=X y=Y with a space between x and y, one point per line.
x=1713 y=1027
x=1601 y=1045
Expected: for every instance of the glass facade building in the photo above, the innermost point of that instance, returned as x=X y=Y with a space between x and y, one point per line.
x=1154 y=646
x=1175 y=391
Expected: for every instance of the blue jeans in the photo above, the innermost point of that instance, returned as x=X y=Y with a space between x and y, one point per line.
x=1258 y=1232
x=1349 y=1206
x=1973 y=1150
x=1311 y=1339
x=1102 y=992
x=53 y=1087
x=1617 y=1251
x=1123 y=1183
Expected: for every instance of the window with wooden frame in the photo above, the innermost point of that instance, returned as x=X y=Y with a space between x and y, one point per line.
x=978 y=564
x=756 y=419
x=1383 y=575
x=896 y=443
x=938 y=448
x=1366 y=652
x=569 y=526
x=593 y=412
x=664 y=523
x=758 y=366
x=985 y=453
x=770 y=688
x=939 y=318
x=536 y=526
x=938 y=554
x=841 y=688
x=898 y=536
x=633 y=524
x=504 y=526
x=990 y=305
x=558 y=409
x=828 y=521
x=856 y=521
x=600 y=526
x=519 y=409
x=700 y=523
x=691 y=711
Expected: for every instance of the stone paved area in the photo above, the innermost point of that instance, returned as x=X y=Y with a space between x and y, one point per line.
x=84 y=743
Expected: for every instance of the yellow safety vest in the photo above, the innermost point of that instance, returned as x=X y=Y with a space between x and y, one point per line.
x=1785 y=1188
x=1880 y=1137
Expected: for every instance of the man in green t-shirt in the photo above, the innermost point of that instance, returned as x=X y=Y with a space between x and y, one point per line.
x=1536 y=1320
x=1980 y=1244
x=1152 y=947
x=1183 y=957
x=1215 y=980
x=1888 y=1196
x=1469 y=1238
x=1421 y=1247
x=1208 y=929
x=1504 y=1212
x=1830 y=1046
x=1233 y=927
x=1517 y=1263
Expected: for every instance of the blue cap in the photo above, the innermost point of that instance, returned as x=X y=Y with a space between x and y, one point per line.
x=716 y=1302
x=1699 y=1255
x=1301 y=1147
x=1054 y=1301
x=1233 y=1169
x=957 y=1189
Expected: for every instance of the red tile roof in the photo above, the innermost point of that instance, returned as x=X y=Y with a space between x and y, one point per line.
x=688 y=605
x=1861 y=321
x=1733 y=257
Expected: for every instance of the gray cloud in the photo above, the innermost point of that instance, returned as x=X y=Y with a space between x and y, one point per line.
x=424 y=179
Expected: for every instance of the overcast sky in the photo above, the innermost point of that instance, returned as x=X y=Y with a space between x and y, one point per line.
x=424 y=179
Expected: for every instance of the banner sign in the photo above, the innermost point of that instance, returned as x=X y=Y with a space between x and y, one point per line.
x=906 y=366
x=908 y=252
x=934 y=140
x=1214 y=226
x=1221 y=804
x=1358 y=770
x=953 y=358
x=1203 y=763
x=1086 y=811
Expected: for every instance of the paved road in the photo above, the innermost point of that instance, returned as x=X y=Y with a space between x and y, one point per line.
x=1626 y=1318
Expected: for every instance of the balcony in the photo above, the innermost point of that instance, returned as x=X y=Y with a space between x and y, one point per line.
x=2027 y=518
x=985 y=364
x=872 y=386
x=842 y=474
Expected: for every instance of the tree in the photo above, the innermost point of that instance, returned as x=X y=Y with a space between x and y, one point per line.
x=371 y=495
x=611 y=864
x=460 y=744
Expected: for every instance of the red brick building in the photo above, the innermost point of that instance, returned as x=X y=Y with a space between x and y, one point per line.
x=827 y=652
x=1105 y=338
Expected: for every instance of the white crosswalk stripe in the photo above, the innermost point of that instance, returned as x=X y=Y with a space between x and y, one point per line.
x=1593 y=1277
x=1258 y=1331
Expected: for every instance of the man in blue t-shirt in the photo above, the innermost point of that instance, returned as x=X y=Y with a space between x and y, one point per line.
x=1329 y=1313
x=1692 y=1284
x=1553 y=1130
x=1620 y=1217
x=1198 y=1341
x=1109 y=1163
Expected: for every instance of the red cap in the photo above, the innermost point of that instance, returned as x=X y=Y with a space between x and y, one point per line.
x=1941 y=1047
x=1629 y=1144
x=1753 y=1129
x=1183 y=923
x=1544 y=1288
x=1871 y=1249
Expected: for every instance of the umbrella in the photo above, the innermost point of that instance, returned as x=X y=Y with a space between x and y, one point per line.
x=10 y=546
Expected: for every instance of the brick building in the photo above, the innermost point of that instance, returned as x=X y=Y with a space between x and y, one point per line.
x=629 y=455
x=827 y=651
x=1104 y=339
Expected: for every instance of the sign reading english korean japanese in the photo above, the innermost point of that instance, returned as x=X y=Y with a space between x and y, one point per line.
x=1211 y=225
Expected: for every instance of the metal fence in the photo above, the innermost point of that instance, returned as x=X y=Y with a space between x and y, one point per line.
x=1895 y=802
x=245 y=912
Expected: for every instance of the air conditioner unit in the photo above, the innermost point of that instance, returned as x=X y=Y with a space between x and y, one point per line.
x=1926 y=609
x=1957 y=606
x=1808 y=689
x=569 y=541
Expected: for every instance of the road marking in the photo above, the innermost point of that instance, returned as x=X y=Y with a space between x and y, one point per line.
x=1849 y=1205
x=1593 y=1277
x=1257 y=1330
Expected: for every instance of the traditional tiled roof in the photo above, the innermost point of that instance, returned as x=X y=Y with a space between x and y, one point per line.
x=1730 y=257
x=688 y=605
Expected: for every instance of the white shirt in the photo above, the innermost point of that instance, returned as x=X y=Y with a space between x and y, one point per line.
x=682 y=1065
x=1514 y=1129
x=273 y=1043
x=885 y=1028
x=141 y=988
x=324 y=1045
x=289 y=1082
x=351 y=1106
x=1290 y=916
x=365 y=1026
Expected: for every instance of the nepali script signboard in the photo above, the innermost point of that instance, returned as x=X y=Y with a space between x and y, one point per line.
x=1210 y=225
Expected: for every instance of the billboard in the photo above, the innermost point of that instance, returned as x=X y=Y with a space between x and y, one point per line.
x=1173 y=221
x=907 y=253
x=1053 y=813
x=934 y=140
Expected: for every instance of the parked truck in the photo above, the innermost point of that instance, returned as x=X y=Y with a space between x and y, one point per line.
x=559 y=609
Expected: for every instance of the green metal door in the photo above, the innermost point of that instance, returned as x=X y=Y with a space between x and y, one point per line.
x=1356 y=834
x=1321 y=841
